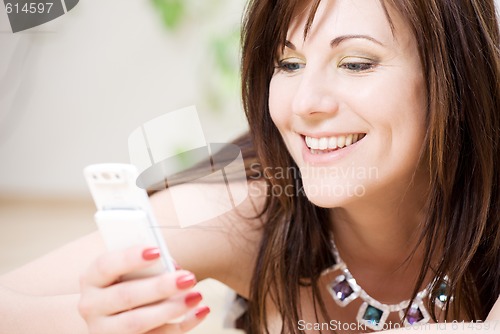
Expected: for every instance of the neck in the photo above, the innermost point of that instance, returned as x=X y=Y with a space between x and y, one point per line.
x=383 y=237
x=377 y=239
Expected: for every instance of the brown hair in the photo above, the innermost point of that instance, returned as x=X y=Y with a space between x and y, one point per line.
x=458 y=42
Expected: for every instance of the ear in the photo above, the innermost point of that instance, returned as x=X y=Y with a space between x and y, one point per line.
x=495 y=312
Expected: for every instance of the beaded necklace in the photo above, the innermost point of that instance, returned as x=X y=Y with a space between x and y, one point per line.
x=372 y=313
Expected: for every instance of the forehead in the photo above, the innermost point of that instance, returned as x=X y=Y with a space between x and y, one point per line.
x=348 y=17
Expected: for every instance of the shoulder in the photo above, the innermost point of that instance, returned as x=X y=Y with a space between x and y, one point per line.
x=223 y=241
x=495 y=311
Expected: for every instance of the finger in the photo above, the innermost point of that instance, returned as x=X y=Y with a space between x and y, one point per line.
x=176 y=265
x=131 y=294
x=147 y=318
x=167 y=329
x=194 y=318
x=109 y=267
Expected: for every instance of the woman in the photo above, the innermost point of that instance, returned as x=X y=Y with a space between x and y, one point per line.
x=376 y=125
x=402 y=76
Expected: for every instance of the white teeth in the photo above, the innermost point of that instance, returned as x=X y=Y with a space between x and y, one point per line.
x=323 y=143
x=314 y=143
x=330 y=143
x=340 y=141
x=348 y=140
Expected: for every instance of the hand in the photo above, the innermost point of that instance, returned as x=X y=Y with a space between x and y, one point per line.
x=145 y=305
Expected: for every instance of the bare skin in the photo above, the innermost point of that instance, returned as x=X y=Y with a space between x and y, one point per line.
x=84 y=267
x=77 y=288
x=53 y=299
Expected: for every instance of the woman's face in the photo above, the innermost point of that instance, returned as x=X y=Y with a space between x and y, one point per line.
x=350 y=102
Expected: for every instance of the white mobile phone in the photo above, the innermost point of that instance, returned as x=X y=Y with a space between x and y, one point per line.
x=124 y=215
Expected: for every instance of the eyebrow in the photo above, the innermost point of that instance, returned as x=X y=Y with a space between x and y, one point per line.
x=290 y=45
x=337 y=40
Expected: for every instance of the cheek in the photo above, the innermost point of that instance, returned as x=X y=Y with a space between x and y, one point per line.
x=412 y=114
x=278 y=104
x=403 y=126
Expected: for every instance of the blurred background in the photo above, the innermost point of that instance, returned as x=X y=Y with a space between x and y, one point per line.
x=73 y=89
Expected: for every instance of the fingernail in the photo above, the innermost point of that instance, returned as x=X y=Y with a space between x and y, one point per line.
x=186 y=281
x=151 y=254
x=193 y=299
x=202 y=312
x=176 y=265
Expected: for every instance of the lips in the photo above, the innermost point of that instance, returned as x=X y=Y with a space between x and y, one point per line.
x=321 y=145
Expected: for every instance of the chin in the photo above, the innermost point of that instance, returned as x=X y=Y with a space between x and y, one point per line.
x=331 y=195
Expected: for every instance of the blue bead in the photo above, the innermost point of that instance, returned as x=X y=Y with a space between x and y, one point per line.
x=373 y=314
x=442 y=293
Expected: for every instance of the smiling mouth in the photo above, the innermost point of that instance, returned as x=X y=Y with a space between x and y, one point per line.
x=329 y=144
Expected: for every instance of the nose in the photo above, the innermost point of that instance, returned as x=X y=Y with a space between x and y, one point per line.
x=315 y=95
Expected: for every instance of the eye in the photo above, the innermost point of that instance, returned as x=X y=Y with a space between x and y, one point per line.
x=357 y=67
x=360 y=65
x=290 y=65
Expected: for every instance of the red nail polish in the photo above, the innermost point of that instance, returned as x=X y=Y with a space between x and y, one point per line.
x=193 y=299
x=186 y=281
x=151 y=254
x=202 y=312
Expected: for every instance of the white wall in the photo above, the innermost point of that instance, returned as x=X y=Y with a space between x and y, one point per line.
x=73 y=89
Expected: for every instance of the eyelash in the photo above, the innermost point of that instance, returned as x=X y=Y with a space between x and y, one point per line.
x=365 y=66
x=284 y=65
